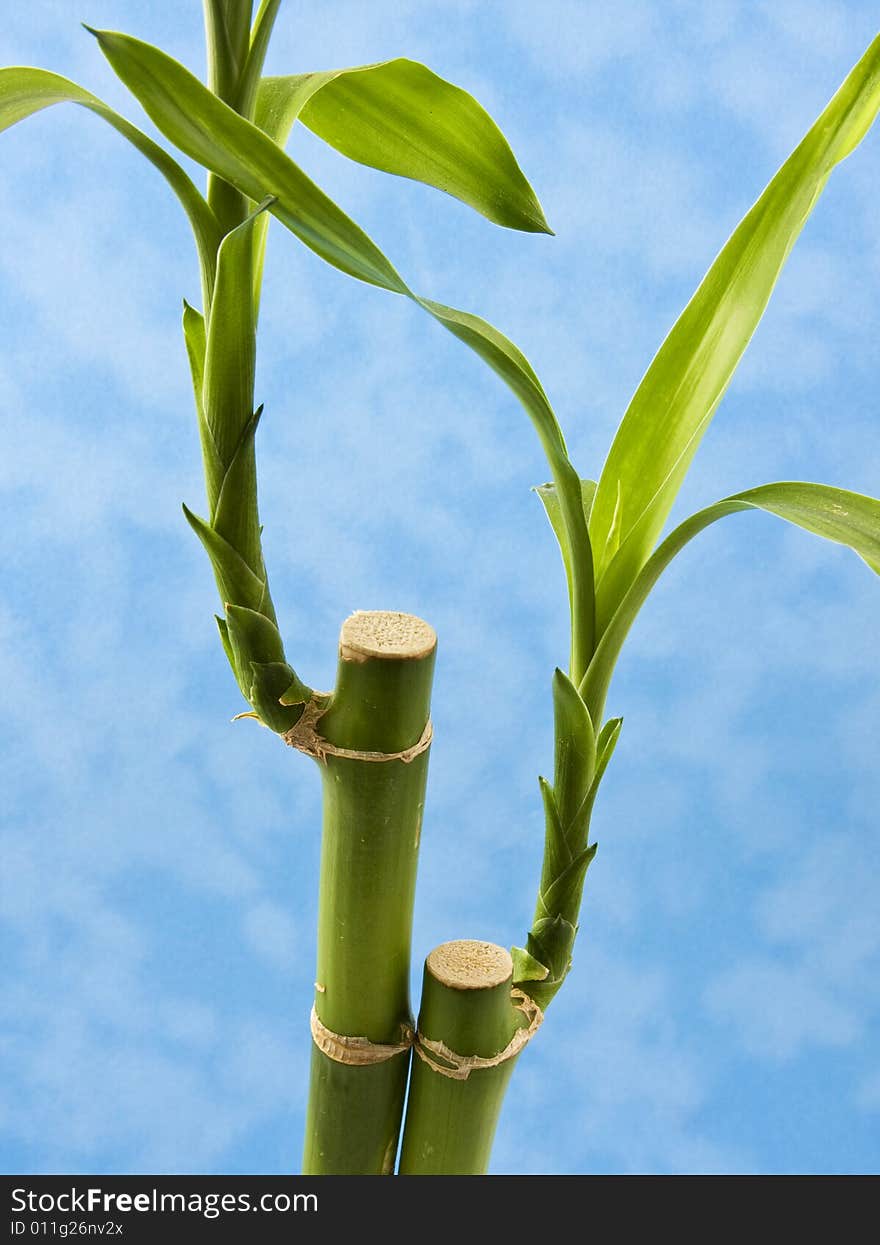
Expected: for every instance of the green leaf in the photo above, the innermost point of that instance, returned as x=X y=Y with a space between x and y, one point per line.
x=296 y=693
x=400 y=117
x=261 y=33
x=236 y=581
x=227 y=391
x=549 y=943
x=514 y=369
x=264 y=675
x=675 y=401
x=255 y=638
x=227 y=646
x=550 y=502
x=24 y=91
x=605 y=745
x=575 y=754
x=194 y=335
x=208 y=131
x=230 y=354
x=508 y=361
x=526 y=967
x=557 y=853
x=279 y=103
x=849 y=519
x=265 y=678
x=549 y=496
x=564 y=895
x=235 y=516
x=269 y=681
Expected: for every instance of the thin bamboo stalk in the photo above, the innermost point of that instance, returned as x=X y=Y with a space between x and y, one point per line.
x=227 y=36
x=372 y=825
x=467 y=1010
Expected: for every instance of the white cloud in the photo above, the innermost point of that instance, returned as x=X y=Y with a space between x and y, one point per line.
x=779 y=1011
x=272 y=933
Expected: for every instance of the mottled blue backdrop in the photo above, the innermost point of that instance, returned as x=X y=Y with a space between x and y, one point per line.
x=159 y=865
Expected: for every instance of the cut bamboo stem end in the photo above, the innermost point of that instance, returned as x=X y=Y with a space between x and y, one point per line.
x=470 y=965
x=472 y=1027
x=386 y=635
x=379 y=711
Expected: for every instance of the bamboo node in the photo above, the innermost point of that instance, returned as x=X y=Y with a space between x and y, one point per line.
x=303 y=736
x=357 y=1051
x=447 y=1062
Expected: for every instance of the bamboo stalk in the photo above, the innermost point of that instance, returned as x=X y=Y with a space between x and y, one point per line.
x=372 y=825
x=467 y=1010
x=227 y=36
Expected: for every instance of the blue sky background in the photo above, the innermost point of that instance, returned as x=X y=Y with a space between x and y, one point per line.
x=160 y=865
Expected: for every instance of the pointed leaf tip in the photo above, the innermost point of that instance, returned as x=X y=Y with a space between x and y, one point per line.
x=401 y=118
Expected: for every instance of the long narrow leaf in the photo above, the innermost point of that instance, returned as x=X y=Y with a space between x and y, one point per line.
x=208 y=131
x=400 y=117
x=847 y=518
x=24 y=91
x=514 y=369
x=249 y=84
x=676 y=399
x=274 y=114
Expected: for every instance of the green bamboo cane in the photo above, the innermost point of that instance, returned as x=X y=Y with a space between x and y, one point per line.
x=381 y=703
x=373 y=748
x=471 y=1028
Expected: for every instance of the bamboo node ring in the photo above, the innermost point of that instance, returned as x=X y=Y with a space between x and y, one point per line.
x=447 y=1062
x=357 y=1051
x=303 y=736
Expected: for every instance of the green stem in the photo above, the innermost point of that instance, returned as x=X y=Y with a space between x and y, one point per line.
x=221 y=345
x=582 y=596
x=372 y=824
x=228 y=37
x=466 y=1005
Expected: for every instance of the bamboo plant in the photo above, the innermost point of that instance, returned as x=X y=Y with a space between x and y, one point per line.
x=371 y=734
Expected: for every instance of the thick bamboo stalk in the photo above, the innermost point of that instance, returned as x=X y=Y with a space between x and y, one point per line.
x=372 y=825
x=467 y=1011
